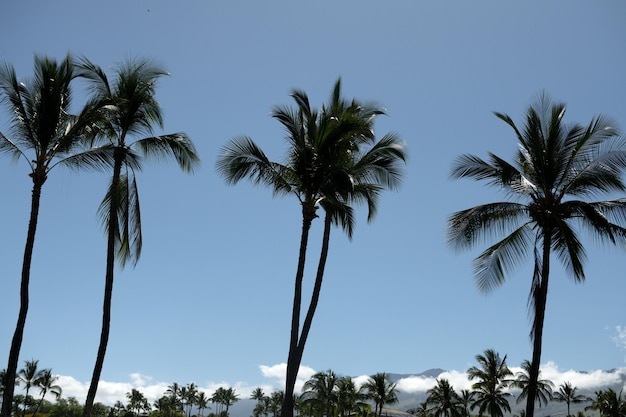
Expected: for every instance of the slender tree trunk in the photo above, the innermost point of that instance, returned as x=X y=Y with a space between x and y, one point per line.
x=540 y=298
x=108 y=290
x=293 y=360
x=16 y=342
x=298 y=349
x=39 y=403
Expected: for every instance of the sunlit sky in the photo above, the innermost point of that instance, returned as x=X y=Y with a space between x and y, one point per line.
x=210 y=299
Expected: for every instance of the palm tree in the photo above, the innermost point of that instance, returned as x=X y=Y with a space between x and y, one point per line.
x=609 y=403
x=45 y=135
x=261 y=402
x=229 y=398
x=522 y=381
x=443 y=401
x=30 y=376
x=492 y=381
x=320 y=392
x=567 y=394
x=137 y=401
x=381 y=390
x=349 y=398
x=466 y=399
x=135 y=113
x=556 y=166
x=202 y=401
x=188 y=395
x=326 y=166
x=46 y=383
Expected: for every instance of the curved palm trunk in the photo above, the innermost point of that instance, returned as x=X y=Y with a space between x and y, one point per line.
x=43 y=394
x=108 y=290
x=540 y=296
x=296 y=348
x=16 y=343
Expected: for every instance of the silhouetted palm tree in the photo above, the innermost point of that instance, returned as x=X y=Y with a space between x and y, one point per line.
x=443 y=401
x=556 y=166
x=492 y=379
x=46 y=384
x=333 y=161
x=567 y=394
x=44 y=134
x=381 y=390
x=135 y=113
x=522 y=381
x=320 y=393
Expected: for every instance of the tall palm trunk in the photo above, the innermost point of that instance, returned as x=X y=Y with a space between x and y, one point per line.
x=108 y=287
x=292 y=360
x=39 y=177
x=296 y=348
x=540 y=297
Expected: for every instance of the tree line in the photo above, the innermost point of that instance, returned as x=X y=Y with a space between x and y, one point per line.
x=334 y=161
x=326 y=394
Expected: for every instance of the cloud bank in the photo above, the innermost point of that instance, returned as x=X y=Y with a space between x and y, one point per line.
x=274 y=375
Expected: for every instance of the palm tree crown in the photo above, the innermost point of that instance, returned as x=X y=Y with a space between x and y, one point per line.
x=555 y=168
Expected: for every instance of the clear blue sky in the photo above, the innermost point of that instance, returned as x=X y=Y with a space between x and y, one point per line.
x=209 y=301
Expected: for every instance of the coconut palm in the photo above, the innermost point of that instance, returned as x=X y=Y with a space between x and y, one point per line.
x=202 y=401
x=349 y=398
x=135 y=113
x=381 y=390
x=609 y=403
x=46 y=384
x=492 y=379
x=466 y=399
x=30 y=376
x=137 y=401
x=443 y=401
x=327 y=166
x=567 y=394
x=522 y=381
x=44 y=134
x=556 y=166
x=320 y=393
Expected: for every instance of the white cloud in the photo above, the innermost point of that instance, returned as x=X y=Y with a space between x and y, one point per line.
x=592 y=380
x=620 y=337
x=109 y=392
x=278 y=372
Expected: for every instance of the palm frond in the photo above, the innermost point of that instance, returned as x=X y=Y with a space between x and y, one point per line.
x=467 y=227
x=176 y=145
x=569 y=249
x=242 y=158
x=491 y=266
x=100 y=159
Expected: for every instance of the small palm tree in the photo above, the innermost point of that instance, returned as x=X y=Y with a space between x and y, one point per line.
x=555 y=168
x=45 y=134
x=30 y=376
x=135 y=113
x=492 y=379
x=349 y=398
x=522 y=381
x=609 y=403
x=381 y=390
x=443 y=401
x=567 y=394
x=46 y=384
x=320 y=393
